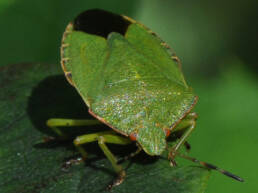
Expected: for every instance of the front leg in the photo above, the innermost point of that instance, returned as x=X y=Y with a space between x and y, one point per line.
x=187 y=124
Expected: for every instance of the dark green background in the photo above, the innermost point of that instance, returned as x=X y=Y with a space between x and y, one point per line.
x=217 y=43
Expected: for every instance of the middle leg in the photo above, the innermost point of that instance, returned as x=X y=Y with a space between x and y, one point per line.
x=103 y=138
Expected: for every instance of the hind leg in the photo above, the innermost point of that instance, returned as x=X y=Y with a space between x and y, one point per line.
x=55 y=123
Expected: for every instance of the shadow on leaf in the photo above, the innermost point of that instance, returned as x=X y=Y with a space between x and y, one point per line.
x=53 y=97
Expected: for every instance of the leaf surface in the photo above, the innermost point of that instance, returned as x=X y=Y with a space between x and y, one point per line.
x=32 y=93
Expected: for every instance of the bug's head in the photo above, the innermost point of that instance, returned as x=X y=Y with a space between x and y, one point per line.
x=152 y=140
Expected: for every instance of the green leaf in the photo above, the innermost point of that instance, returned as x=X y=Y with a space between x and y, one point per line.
x=32 y=93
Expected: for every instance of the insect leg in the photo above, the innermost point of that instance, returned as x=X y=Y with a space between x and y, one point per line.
x=54 y=123
x=103 y=138
x=188 y=124
x=192 y=116
x=118 y=168
x=112 y=138
x=82 y=139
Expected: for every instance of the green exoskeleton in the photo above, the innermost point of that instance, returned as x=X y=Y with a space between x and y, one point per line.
x=131 y=81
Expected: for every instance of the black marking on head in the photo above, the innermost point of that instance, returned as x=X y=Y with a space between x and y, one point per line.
x=101 y=23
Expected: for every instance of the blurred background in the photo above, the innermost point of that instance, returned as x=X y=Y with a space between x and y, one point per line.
x=217 y=44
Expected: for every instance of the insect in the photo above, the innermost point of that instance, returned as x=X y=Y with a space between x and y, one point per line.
x=132 y=82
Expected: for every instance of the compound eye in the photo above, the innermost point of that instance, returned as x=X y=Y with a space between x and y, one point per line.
x=133 y=136
x=167 y=132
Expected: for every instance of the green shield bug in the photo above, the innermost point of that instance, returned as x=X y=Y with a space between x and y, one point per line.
x=132 y=82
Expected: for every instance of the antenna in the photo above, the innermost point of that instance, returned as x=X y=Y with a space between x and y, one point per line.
x=210 y=166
